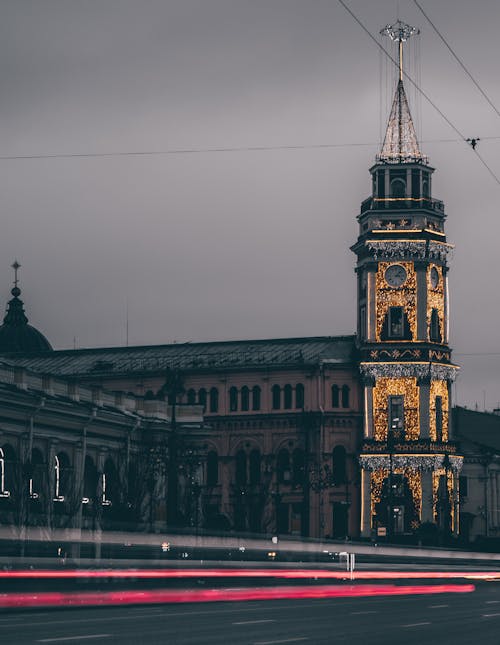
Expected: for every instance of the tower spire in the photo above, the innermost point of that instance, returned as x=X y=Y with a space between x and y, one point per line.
x=400 y=141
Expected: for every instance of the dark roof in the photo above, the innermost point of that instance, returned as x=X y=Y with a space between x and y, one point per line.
x=282 y=352
x=15 y=333
x=482 y=428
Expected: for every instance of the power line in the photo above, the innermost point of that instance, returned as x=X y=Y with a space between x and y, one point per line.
x=419 y=89
x=187 y=151
x=457 y=58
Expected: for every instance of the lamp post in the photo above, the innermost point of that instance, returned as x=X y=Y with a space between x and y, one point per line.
x=172 y=388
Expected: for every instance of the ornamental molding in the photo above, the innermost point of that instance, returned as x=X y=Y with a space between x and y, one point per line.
x=415 y=249
x=416 y=463
x=409 y=370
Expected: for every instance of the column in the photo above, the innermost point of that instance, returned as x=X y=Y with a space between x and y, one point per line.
x=368 y=385
x=427 y=510
x=371 y=305
x=424 y=405
x=366 y=478
x=421 y=269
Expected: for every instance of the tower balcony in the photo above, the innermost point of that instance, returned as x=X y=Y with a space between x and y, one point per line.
x=387 y=204
x=401 y=447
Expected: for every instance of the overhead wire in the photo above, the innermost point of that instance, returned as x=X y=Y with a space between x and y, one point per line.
x=187 y=151
x=424 y=94
x=455 y=56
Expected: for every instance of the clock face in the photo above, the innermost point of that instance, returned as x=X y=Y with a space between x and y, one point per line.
x=434 y=277
x=395 y=275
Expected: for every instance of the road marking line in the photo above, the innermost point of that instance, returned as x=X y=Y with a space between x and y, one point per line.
x=492 y=602
x=72 y=638
x=253 y=622
x=437 y=606
x=358 y=613
x=287 y=640
x=415 y=624
x=490 y=615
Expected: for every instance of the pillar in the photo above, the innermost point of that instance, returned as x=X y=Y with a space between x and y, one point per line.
x=427 y=497
x=366 y=478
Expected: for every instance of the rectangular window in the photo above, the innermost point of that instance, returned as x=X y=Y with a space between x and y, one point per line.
x=396 y=322
x=396 y=417
x=439 y=418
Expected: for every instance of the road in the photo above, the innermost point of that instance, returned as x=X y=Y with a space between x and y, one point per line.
x=458 y=619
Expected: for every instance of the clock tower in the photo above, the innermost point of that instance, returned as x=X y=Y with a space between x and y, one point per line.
x=409 y=465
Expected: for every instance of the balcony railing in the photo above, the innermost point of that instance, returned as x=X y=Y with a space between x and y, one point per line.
x=398 y=203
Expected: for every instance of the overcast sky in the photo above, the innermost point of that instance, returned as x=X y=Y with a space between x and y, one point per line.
x=243 y=244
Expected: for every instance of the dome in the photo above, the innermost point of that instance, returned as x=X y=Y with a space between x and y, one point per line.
x=15 y=333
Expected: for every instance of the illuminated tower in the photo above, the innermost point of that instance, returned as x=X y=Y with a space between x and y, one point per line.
x=408 y=460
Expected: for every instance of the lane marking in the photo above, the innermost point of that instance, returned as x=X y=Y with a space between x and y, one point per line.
x=490 y=615
x=287 y=640
x=253 y=622
x=415 y=624
x=437 y=606
x=72 y=638
x=359 y=613
x=492 y=602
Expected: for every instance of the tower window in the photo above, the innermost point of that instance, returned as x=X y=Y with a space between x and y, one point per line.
x=381 y=184
x=439 y=418
x=396 y=416
x=415 y=183
x=435 y=332
x=396 y=322
x=398 y=188
x=426 y=188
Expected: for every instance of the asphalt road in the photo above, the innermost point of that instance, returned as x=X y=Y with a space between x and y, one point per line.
x=457 y=619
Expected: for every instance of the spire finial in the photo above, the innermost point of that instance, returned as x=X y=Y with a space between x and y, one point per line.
x=16 y=266
x=399 y=32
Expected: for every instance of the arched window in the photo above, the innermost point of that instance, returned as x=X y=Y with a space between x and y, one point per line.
x=283 y=466
x=191 y=396
x=398 y=188
x=339 y=470
x=254 y=467
x=299 y=396
x=202 y=398
x=287 y=397
x=214 y=399
x=233 y=399
x=435 y=331
x=276 y=397
x=245 y=398
x=256 y=397
x=335 y=396
x=241 y=468
x=89 y=481
x=61 y=477
x=298 y=467
x=345 y=396
x=212 y=468
x=36 y=480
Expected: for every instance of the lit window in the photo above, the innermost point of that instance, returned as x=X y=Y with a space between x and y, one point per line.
x=396 y=416
x=396 y=322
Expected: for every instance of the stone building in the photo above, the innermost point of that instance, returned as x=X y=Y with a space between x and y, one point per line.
x=334 y=435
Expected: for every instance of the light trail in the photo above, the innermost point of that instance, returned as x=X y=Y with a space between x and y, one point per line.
x=109 y=598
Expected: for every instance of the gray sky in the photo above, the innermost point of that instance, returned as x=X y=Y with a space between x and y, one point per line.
x=247 y=244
